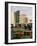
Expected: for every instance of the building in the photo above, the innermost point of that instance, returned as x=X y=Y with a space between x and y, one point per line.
x=23 y=19
x=20 y=19
x=16 y=16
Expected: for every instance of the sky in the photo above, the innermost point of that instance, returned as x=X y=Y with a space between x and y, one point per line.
x=23 y=10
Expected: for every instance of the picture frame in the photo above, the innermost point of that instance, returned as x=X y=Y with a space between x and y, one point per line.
x=27 y=9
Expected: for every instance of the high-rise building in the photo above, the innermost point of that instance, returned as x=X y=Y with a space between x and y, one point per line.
x=16 y=15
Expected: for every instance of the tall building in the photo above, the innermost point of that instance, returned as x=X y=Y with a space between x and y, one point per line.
x=12 y=18
x=16 y=15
